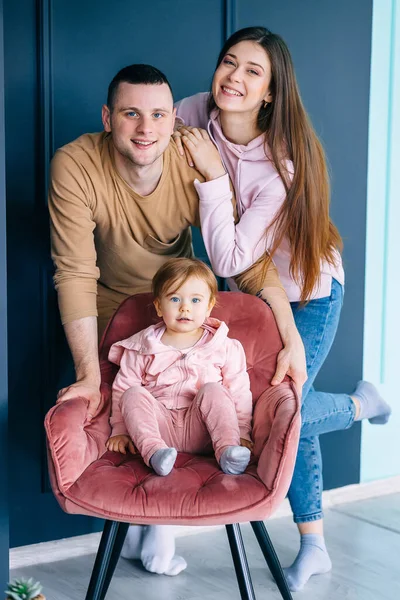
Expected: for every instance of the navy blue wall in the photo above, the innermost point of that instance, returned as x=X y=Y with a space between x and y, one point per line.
x=59 y=59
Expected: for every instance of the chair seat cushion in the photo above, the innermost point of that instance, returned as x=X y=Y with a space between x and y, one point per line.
x=123 y=488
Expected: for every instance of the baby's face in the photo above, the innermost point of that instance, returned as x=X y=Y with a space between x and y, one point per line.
x=185 y=309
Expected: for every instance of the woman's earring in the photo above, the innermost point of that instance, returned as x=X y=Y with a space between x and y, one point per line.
x=266 y=104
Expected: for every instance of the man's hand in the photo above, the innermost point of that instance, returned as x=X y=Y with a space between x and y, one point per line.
x=82 y=340
x=247 y=444
x=203 y=152
x=84 y=388
x=120 y=443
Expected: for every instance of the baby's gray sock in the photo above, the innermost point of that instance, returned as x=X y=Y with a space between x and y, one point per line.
x=163 y=460
x=372 y=405
x=234 y=459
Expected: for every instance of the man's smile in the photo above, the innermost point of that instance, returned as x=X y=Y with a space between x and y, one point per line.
x=143 y=144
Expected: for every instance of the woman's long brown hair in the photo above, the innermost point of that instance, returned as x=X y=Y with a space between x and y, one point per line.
x=304 y=215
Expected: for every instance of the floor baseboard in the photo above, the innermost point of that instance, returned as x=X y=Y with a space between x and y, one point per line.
x=57 y=550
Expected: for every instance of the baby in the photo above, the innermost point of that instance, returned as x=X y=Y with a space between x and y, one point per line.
x=182 y=383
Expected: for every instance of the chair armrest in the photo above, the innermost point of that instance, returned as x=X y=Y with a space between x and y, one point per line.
x=73 y=442
x=276 y=432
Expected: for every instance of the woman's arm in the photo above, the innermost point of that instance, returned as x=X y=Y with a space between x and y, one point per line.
x=262 y=280
x=232 y=248
x=292 y=358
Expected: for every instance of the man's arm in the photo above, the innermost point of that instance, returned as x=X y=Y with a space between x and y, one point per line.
x=74 y=255
x=83 y=343
x=72 y=242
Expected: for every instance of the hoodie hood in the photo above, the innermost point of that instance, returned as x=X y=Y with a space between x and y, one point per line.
x=253 y=151
x=249 y=166
x=148 y=342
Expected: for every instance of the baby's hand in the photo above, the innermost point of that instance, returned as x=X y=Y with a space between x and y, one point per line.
x=119 y=443
x=247 y=444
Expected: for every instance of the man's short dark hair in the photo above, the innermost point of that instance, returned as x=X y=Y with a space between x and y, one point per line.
x=136 y=74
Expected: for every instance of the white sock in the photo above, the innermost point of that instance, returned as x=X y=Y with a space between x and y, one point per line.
x=163 y=460
x=132 y=548
x=234 y=459
x=177 y=564
x=158 y=551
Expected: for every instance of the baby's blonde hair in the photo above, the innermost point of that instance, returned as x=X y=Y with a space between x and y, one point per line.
x=173 y=274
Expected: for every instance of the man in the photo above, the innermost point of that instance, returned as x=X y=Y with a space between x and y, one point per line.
x=121 y=203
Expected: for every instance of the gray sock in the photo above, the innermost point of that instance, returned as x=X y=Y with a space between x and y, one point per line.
x=312 y=559
x=234 y=459
x=163 y=460
x=372 y=405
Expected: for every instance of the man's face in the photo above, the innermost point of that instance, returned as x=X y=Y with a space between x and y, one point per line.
x=141 y=122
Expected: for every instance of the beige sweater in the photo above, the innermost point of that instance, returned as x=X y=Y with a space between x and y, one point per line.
x=107 y=239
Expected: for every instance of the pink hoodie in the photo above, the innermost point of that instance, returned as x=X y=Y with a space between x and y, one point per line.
x=259 y=195
x=175 y=376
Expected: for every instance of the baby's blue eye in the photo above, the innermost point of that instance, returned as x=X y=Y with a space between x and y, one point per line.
x=196 y=300
x=174 y=299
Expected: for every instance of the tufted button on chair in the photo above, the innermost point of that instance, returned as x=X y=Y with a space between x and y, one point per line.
x=89 y=480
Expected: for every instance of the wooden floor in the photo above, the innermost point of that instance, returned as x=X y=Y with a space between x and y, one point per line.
x=363 y=539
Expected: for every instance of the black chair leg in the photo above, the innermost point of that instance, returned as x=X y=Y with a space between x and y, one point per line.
x=272 y=559
x=240 y=562
x=119 y=542
x=111 y=542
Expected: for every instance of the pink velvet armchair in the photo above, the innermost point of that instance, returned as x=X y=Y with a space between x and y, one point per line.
x=89 y=480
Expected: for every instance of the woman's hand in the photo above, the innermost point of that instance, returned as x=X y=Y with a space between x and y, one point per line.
x=292 y=362
x=203 y=152
x=292 y=357
x=120 y=443
x=177 y=137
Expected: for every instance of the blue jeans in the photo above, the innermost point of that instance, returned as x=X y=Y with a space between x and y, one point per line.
x=321 y=412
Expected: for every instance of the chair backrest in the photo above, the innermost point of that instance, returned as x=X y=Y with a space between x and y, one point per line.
x=249 y=320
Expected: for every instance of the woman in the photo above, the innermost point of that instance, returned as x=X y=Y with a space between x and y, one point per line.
x=255 y=117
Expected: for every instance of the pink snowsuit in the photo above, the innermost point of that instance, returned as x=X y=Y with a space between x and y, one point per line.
x=193 y=400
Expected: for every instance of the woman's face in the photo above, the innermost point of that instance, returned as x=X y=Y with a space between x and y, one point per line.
x=241 y=82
